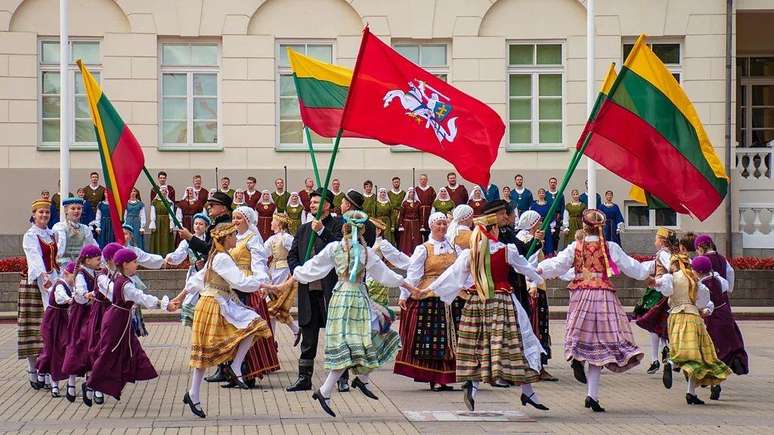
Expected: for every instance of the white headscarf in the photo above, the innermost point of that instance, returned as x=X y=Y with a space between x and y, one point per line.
x=251 y=216
x=194 y=195
x=411 y=194
x=443 y=192
x=378 y=197
x=297 y=201
x=266 y=192
x=435 y=217
x=460 y=213
x=527 y=220
x=480 y=192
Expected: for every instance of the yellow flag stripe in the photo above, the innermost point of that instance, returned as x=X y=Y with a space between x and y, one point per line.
x=305 y=66
x=638 y=194
x=610 y=77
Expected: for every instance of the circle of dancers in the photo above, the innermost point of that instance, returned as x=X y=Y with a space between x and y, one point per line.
x=473 y=305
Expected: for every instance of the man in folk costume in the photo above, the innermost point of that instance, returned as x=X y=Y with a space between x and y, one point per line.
x=495 y=344
x=306 y=194
x=428 y=332
x=313 y=298
x=251 y=194
x=161 y=179
x=369 y=198
x=280 y=196
x=521 y=197
x=338 y=196
x=200 y=191
x=491 y=192
x=93 y=193
x=426 y=194
x=71 y=234
x=552 y=194
x=396 y=196
x=457 y=192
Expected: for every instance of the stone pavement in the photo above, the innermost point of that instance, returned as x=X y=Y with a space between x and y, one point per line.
x=636 y=402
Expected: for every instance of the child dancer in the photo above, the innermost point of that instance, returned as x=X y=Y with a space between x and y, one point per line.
x=277 y=247
x=54 y=331
x=148 y=261
x=200 y=224
x=121 y=358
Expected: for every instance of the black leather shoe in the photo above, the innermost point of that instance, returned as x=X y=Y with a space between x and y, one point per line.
x=593 y=404
x=232 y=378
x=654 y=367
x=303 y=383
x=323 y=402
x=343 y=385
x=218 y=376
x=70 y=397
x=99 y=399
x=196 y=408
x=36 y=385
x=441 y=387
x=528 y=399
x=692 y=399
x=667 y=377
x=715 y=392
x=360 y=385
x=470 y=402
x=665 y=354
x=578 y=372
x=55 y=392
x=86 y=400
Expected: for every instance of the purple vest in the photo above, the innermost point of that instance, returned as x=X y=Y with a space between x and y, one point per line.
x=718 y=263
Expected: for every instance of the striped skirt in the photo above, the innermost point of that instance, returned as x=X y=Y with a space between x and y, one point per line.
x=279 y=306
x=691 y=348
x=489 y=343
x=29 y=318
x=213 y=339
x=598 y=331
x=262 y=357
x=350 y=341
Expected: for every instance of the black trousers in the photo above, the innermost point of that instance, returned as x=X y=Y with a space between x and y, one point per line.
x=310 y=334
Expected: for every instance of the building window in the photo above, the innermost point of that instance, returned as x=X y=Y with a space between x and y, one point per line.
x=535 y=94
x=668 y=52
x=189 y=95
x=639 y=216
x=755 y=105
x=290 y=129
x=82 y=134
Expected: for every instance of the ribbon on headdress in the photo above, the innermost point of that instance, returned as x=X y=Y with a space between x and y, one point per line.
x=355 y=220
x=481 y=262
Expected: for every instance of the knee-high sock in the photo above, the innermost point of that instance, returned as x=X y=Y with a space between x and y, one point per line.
x=197 y=375
x=527 y=390
x=691 y=386
x=31 y=371
x=241 y=353
x=655 y=347
x=592 y=378
x=330 y=382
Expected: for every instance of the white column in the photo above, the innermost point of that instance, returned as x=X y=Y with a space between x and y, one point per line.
x=590 y=96
x=65 y=108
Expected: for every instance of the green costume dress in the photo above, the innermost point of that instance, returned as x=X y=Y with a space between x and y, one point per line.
x=575 y=211
x=384 y=214
x=337 y=198
x=294 y=217
x=396 y=201
x=281 y=201
x=162 y=238
x=445 y=207
x=369 y=204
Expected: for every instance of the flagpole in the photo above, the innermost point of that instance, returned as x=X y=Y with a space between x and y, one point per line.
x=591 y=165
x=164 y=200
x=64 y=107
x=312 y=238
x=311 y=154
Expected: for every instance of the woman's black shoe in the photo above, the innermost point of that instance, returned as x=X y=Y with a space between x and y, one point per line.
x=667 y=378
x=55 y=392
x=715 y=392
x=470 y=402
x=323 y=403
x=36 y=385
x=578 y=372
x=99 y=399
x=70 y=397
x=528 y=399
x=360 y=385
x=231 y=377
x=219 y=375
x=653 y=369
x=441 y=387
x=196 y=408
x=665 y=354
x=692 y=399
x=594 y=405
x=86 y=400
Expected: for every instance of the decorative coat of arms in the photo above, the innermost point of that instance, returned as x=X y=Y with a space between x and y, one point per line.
x=428 y=108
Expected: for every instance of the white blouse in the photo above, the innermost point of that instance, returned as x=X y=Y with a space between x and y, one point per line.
x=181 y=253
x=396 y=257
x=321 y=264
x=103 y=284
x=557 y=266
x=60 y=294
x=258 y=257
x=143 y=218
x=132 y=293
x=724 y=284
x=416 y=268
x=79 y=293
x=152 y=225
x=31 y=246
x=147 y=260
x=283 y=237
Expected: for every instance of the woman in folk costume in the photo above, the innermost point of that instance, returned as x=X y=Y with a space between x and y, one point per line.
x=597 y=331
x=459 y=232
x=71 y=235
x=277 y=247
x=104 y=224
x=55 y=333
x=187 y=207
x=265 y=209
x=572 y=220
x=691 y=348
x=239 y=200
x=357 y=335
x=477 y=201
x=249 y=255
x=121 y=358
x=721 y=326
x=496 y=344
x=134 y=216
x=40 y=250
x=77 y=361
x=296 y=213
x=384 y=214
x=188 y=301
x=443 y=202
x=529 y=228
x=652 y=312
x=410 y=236
x=161 y=225
x=542 y=207
x=615 y=221
x=223 y=329
x=706 y=247
x=428 y=333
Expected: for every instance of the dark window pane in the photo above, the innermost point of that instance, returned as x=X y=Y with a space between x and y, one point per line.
x=668 y=53
x=762 y=66
x=627 y=48
x=666 y=218
x=639 y=216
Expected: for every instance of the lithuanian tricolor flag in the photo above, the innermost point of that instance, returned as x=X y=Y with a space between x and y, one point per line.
x=121 y=154
x=648 y=132
x=322 y=90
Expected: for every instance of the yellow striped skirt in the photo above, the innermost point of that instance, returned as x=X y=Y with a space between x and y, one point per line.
x=691 y=348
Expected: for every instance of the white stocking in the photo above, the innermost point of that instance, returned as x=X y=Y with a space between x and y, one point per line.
x=527 y=390
x=197 y=375
x=294 y=327
x=32 y=372
x=655 y=347
x=330 y=382
x=475 y=389
x=241 y=353
x=592 y=378
x=71 y=380
x=691 y=386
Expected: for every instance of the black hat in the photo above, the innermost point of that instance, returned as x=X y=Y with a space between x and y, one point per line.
x=324 y=194
x=494 y=206
x=355 y=198
x=220 y=198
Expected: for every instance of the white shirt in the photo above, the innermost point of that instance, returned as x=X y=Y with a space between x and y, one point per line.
x=143 y=218
x=283 y=237
x=416 y=268
x=147 y=260
x=321 y=264
x=34 y=255
x=730 y=275
x=181 y=253
x=258 y=257
x=557 y=266
x=81 y=288
x=225 y=266
x=60 y=294
x=132 y=293
x=392 y=254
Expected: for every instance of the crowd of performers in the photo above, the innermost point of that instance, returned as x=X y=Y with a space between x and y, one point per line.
x=473 y=305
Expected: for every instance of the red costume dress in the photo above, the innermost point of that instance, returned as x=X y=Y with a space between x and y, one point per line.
x=409 y=222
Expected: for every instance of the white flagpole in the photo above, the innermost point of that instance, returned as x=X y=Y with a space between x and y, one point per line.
x=590 y=96
x=65 y=109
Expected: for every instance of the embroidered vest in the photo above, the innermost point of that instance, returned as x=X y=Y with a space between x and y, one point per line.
x=679 y=301
x=500 y=269
x=241 y=255
x=589 y=264
x=435 y=265
x=48 y=251
x=215 y=285
x=75 y=241
x=279 y=255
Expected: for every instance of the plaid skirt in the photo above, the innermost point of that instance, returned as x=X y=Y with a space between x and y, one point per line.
x=655 y=319
x=262 y=357
x=279 y=306
x=213 y=339
x=489 y=343
x=28 y=320
x=691 y=348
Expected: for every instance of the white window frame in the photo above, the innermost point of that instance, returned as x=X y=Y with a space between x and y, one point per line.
x=72 y=69
x=190 y=70
x=672 y=67
x=536 y=71
x=435 y=70
x=279 y=71
x=651 y=218
x=744 y=98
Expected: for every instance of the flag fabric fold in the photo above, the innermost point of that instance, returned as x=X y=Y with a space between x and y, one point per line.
x=647 y=131
x=120 y=153
x=398 y=103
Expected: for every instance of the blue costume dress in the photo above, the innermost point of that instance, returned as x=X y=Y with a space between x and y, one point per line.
x=106 y=228
x=522 y=200
x=557 y=231
x=548 y=243
x=133 y=210
x=584 y=198
x=491 y=193
x=88 y=214
x=614 y=217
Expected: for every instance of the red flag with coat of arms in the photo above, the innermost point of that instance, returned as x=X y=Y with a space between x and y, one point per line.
x=396 y=102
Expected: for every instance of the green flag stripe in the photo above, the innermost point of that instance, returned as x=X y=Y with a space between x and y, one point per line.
x=111 y=122
x=321 y=94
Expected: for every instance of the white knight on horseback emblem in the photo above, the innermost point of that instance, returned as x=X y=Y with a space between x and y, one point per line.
x=429 y=109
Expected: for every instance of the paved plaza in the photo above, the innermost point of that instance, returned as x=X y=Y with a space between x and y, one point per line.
x=636 y=402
